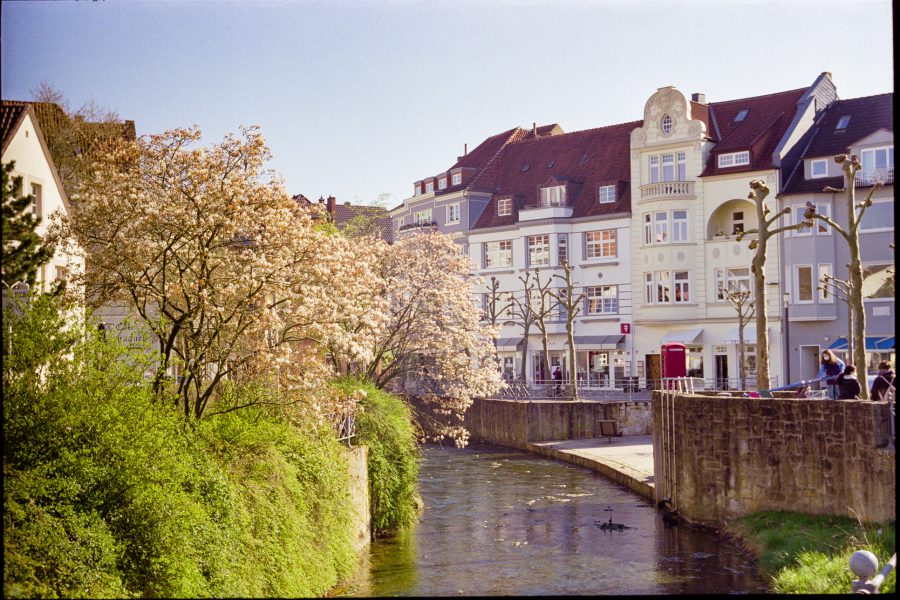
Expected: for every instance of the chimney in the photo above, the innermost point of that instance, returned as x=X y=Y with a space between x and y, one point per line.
x=465 y=149
x=321 y=200
x=329 y=205
x=698 y=98
x=534 y=129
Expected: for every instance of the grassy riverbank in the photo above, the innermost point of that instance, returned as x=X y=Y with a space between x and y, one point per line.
x=810 y=554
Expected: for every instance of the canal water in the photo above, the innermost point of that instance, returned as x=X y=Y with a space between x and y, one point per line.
x=502 y=522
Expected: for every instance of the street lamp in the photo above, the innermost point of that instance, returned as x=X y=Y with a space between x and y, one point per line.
x=787 y=340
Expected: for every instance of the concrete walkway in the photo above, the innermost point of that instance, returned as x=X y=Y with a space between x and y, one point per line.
x=627 y=459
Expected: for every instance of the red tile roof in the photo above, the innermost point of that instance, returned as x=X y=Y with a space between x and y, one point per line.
x=11 y=112
x=767 y=119
x=583 y=160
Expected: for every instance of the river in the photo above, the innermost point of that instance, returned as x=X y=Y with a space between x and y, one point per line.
x=502 y=522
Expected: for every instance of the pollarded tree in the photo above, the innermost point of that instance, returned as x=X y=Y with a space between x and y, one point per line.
x=571 y=302
x=224 y=268
x=525 y=315
x=746 y=308
x=851 y=166
x=840 y=289
x=433 y=320
x=23 y=250
x=764 y=232
x=546 y=304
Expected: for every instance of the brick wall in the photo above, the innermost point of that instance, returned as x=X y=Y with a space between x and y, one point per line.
x=726 y=457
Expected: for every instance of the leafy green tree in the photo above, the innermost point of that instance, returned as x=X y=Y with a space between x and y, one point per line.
x=23 y=250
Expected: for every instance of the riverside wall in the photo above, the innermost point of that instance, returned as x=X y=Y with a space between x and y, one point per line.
x=723 y=457
x=357 y=459
x=516 y=423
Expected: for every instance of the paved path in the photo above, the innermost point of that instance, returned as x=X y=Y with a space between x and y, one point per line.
x=626 y=459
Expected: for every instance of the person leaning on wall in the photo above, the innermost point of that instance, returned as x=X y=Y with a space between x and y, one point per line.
x=829 y=369
x=848 y=385
x=884 y=381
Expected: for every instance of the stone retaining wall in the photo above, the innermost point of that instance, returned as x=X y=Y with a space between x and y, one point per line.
x=357 y=459
x=515 y=423
x=727 y=457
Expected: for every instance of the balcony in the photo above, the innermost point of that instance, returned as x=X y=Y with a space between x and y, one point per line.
x=667 y=189
x=545 y=210
x=866 y=178
x=425 y=226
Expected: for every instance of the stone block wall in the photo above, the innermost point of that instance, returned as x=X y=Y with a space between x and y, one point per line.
x=357 y=459
x=725 y=457
x=515 y=423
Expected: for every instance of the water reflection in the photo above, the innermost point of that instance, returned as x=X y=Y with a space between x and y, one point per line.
x=499 y=522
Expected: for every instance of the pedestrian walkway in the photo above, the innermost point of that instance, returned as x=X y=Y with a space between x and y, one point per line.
x=627 y=459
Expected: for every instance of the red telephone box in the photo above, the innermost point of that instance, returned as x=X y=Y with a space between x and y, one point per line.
x=673 y=359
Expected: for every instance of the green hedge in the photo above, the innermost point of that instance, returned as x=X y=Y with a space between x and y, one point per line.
x=110 y=494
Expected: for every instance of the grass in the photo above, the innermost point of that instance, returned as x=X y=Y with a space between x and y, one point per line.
x=810 y=554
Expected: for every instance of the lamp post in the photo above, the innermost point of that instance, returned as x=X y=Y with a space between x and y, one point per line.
x=787 y=340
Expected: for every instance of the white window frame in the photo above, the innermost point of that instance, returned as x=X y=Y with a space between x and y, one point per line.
x=417 y=189
x=538 y=246
x=504 y=207
x=653 y=165
x=456 y=178
x=602 y=300
x=821 y=227
x=562 y=248
x=553 y=196
x=600 y=244
x=734 y=159
x=648 y=229
x=453 y=213
x=606 y=194
x=666 y=124
x=429 y=187
x=442 y=183
x=498 y=254
x=726 y=278
x=870 y=175
x=679 y=227
x=37 y=202
x=812 y=292
x=816 y=163
x=868 y=265
x=401 y=222
x=662 y=284
x=423 y=216
x=661 y=228
x=681 y=166
x=681 y=283
x=888 y=222
x=797 y=212
x=826 y=293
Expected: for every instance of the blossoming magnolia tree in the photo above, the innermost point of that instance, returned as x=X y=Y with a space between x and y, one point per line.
x=229 y=274
x=434 y=324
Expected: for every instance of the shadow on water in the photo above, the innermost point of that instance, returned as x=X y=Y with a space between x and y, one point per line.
x=501 y=522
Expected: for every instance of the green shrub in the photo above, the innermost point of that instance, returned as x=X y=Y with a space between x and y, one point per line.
x=810 y=554
x=385 y=426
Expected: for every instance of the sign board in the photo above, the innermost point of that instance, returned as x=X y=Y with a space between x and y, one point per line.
x=625 y=327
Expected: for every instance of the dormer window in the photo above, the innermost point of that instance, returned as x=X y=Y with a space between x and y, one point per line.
x=742 y=114
x=456 y=179
x=504 y=206
x=666 y=125
x=553 y=196
x=417 y=189
x=524 y=168
x=606 y=194
x=842 y=123
x=818 y=168
x=429 y=187
x=442 y=183
x=734 y=159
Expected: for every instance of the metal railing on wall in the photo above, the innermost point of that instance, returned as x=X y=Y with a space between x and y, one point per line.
x=344 y=427
x=864 y=564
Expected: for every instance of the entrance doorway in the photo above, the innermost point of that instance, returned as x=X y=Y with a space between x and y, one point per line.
x=721 y=372
x=654 y=371
x=809 y=362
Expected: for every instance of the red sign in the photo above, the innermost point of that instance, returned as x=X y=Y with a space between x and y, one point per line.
x=626 y=327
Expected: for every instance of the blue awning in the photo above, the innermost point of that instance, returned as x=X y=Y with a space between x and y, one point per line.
x=873 y=343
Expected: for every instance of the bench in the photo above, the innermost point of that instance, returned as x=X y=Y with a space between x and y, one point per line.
x=608 y=429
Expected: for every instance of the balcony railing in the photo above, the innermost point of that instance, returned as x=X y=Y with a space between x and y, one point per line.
x=409 y=226
x=864 y=178
x=667 y=189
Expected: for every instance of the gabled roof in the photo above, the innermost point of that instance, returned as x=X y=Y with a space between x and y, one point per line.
x=583 y=160
x=380 y=219
x=867 y=115
x=11 y=115
x=766 y=121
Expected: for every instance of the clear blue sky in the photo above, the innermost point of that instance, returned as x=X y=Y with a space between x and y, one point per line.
x=361 y=98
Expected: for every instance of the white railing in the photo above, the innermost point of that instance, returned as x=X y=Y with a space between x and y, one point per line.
x=667 y=189
x=864 y=564
x=870 y=177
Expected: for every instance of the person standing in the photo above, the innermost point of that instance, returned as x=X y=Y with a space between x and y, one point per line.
x=829 y=370
x=557 y=379
x=847 y=384
x=884 y=381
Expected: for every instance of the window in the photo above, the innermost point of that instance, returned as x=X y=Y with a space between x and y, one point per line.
x=503 y=305
x=648 y=229
x=504 y=206
x=682 y=287
x=661 y=280
x=429 y=187
x=422 y=217
x=878 y=217
x=878 y=281
x=732 y=279
x=563 y=248
x=682 y=166
x=654 y=169
x=600 y=244
x=674 y=167
x=498 y=254
x=799 y=211
x=539 y=250
x=737 y=222
x=668 y=167
x=37 y=203
x=821 y=227
x=417 y=189
x=606 y=194
x=553 y=196
x=442 y=183
x=456 y=178
x=734 y=159
x=803 y=284
x=818 y=168
x=666 y=125
x=826 y=294
x=400 y=222
x=453 y=213
x=679 y=226
x=877 y=164
x=842 y=123
x=741 y=115
x=661 y=227
x=602 y=299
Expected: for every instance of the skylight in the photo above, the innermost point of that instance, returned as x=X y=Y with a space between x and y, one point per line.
x=524 y=168
x=583 y=160
x=843 y=122
x=741 y=115
x=551 y=163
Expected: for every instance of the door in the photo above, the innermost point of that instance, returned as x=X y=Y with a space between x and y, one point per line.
x=654 y=372
x=721 y=372
x=809 y=363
